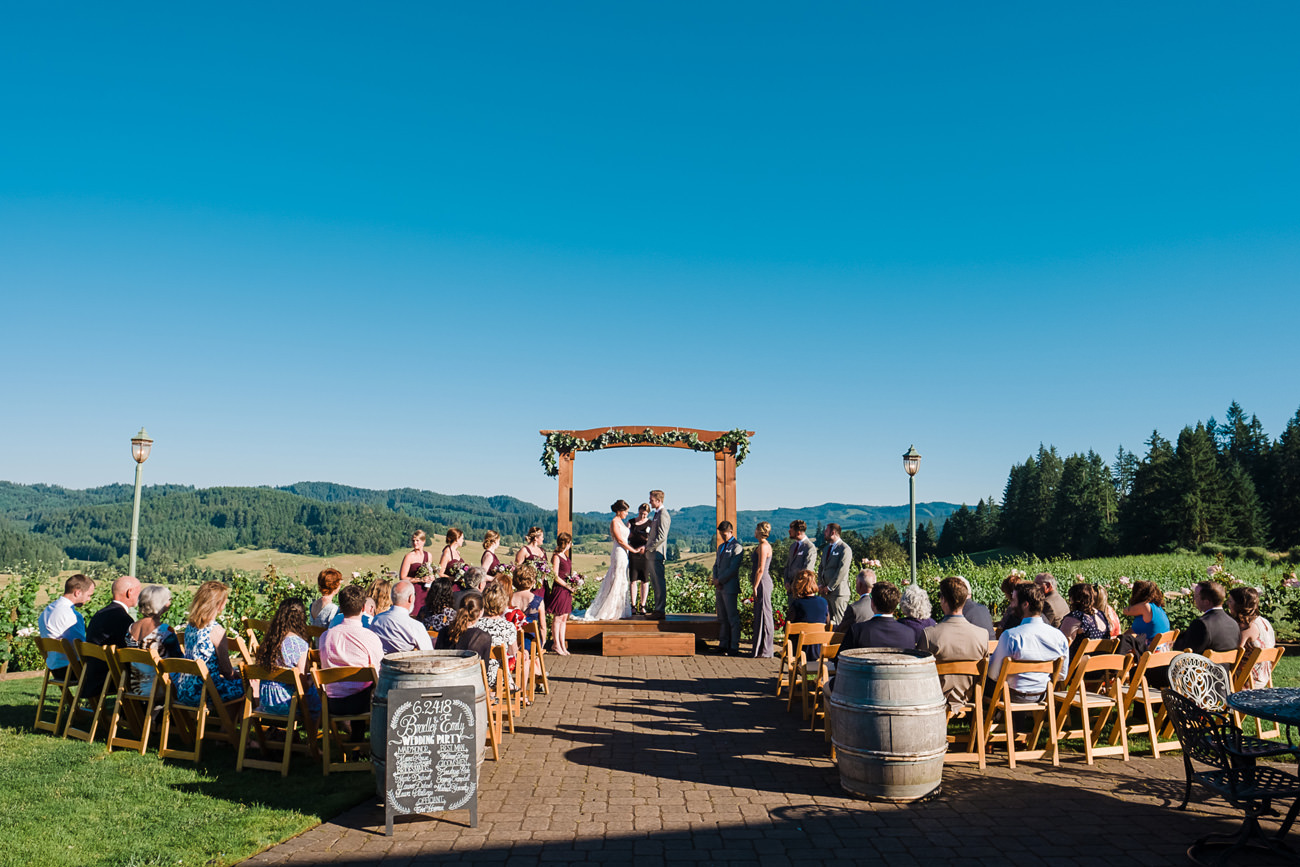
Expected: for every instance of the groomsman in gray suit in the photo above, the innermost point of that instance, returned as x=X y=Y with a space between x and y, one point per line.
x=837 y=557
x=726 y=589
x=656 y=550
x=803 y=554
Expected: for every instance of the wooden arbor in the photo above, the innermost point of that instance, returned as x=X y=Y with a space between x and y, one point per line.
x=686 y=438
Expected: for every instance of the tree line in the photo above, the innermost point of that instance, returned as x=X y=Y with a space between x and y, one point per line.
x=1222 y=483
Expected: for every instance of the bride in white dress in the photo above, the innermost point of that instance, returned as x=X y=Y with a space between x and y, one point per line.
x=612 y=601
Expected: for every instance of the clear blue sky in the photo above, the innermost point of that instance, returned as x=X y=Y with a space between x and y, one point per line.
x=385 y=246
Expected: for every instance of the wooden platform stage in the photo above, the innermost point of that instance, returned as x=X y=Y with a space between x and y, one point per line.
x=641 y=636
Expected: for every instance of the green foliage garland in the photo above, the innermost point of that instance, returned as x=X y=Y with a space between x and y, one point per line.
x=559 y=441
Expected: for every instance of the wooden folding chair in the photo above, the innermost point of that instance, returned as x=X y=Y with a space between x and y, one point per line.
x=251 y=629
x=1242 y=680
x=334 y=737
x=537 y=675
x=993 y=645
x=1153 y=722
x=1111 y=667
x=96 y=704
x=805 y=671
x=972 y=709
x=137 y=707
x=313 y=633
x=502 y=692
x=1227 y=658
x=788 y=656
x=815 y=698
x=1163 y=641
x=193 y=719
x=66 y=682
x=494 y=733
x=1044 y=711
x=267 y=722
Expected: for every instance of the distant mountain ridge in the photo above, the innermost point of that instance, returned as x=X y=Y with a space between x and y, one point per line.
x=179 y=522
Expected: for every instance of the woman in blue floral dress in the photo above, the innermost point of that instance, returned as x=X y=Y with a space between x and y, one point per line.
x=205 y=643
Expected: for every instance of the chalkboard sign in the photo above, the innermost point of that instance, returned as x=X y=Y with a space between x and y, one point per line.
x=431 y=761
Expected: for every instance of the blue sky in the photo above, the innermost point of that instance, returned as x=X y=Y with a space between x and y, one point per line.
x=385 y=246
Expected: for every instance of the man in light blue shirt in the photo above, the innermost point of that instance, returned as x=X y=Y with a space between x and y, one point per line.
x=396 y=629
x=1034 y=640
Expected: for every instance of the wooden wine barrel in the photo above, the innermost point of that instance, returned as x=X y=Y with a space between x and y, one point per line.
x=424 y=669
x=888 y=723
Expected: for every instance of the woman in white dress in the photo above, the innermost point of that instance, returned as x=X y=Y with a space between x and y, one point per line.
x=612 y=601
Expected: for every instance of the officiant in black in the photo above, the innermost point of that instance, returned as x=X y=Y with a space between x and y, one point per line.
x=638 y=534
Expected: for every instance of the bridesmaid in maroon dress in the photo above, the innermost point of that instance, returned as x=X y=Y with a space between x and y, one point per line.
x=559 y=598
x=490 y=563
x=532 y=548
x=451 y=551
x=414 y=559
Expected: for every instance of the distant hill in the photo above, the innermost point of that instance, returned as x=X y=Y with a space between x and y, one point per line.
x=701 y=521
x=180 y=522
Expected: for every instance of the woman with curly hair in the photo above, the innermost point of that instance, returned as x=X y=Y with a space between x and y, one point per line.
x=285 y=646
x=438 y=612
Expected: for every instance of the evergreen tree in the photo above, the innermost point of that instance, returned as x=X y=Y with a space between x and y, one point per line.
x=885 y=545
x=1123 y=471
x=1246 y=517
x=1146 y=519
x=1202 y=514
x=1286 y=486
x=1043 y=499
x=957 y=533
x=927 y=540
x=1017 y=507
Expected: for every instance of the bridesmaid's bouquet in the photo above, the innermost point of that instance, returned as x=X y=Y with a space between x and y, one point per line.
x=456 y=570
x=507 y=569
x=423 y=574
x=543 y=568
x=577 y=579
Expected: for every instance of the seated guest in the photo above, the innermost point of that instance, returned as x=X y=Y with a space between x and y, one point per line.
x=150 y=633
x=324 y=608
x=860 y=609
x=1034 y=640
x=285 y=646
x=1054 y=607
x=882 y=630
x=914 y=611
x=807 y=607
x=205 y=643
x=367 y=607
x=532 y=604
x=439 y=610
x=976 y=613
x=1214 y=629
x=381 y=591
x=61 y=619
x=347 y=645
x=1103 y=607
x=108 y=628
x=502 y=631
x=1083 y=619
x=1256 y=632
x=463 y=632
x=1146 y=607
x=955 y=639
x=1010 y=613
x=475 y=580
x=398 y=631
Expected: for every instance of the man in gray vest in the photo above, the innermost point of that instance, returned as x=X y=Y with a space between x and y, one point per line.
x=833 y=576
x=726 y=589
x=803 y=554
x=656 y=551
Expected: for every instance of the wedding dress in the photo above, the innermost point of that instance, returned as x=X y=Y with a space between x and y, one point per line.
x=613 y=601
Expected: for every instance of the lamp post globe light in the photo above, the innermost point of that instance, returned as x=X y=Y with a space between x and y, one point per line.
x=912 y=463
x=140 y=446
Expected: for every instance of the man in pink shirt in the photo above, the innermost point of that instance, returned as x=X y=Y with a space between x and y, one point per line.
x=350 y=644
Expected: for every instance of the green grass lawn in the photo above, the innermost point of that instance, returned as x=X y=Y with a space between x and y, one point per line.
x=64 y=802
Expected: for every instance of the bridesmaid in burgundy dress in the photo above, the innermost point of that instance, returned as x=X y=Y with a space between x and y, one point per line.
x=490 y=563
x=414 y=559
x=532 y=548
x=559 y=598
x=451 y=551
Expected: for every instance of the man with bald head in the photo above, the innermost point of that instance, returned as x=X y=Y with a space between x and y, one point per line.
x=396 y=629
x=108 y=628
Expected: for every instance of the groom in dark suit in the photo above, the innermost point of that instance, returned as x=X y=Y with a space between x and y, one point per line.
x=108 y=628
x=656 y=551
x=726 y=589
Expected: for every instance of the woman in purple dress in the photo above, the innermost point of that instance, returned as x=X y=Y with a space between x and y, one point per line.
x=411 y=563
x=491 y=563
x=451 y=554
x=559 y=598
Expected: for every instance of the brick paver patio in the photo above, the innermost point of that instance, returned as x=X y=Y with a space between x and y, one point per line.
x=645 y=760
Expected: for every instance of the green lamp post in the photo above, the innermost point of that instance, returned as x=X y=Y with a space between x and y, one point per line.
x=912 y=463
x=140 y=446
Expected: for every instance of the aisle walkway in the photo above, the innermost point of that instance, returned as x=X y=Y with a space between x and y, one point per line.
x=639 y=760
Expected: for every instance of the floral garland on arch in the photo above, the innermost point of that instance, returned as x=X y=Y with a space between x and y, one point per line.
x=557 y=442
